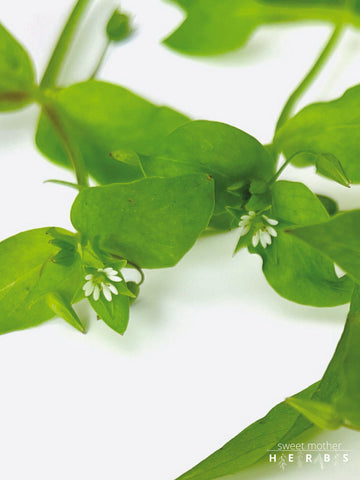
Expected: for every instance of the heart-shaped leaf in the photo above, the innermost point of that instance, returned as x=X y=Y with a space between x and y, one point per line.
x=151 y=222
x=337 y=238
x=295 y=270
x=101 y=119
x=232 y=157
x=326 y=130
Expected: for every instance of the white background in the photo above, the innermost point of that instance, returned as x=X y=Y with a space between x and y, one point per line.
x=210 y=347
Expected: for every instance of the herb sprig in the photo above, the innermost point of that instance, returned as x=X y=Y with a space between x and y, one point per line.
x=164 y=180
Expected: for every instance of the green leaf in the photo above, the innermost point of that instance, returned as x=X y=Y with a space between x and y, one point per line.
x=115 y=313
x=103 y=118
x=329 y=166
x=339 y=387
x=232 y=157
x=295 y=270
x=27 y=275
x=16 y=73
x=329 y=203
x=326 y=130
x=321 y=414
x=253 y=443
x=118 y=27
x=127 y=156
x=63 y=309
x=338 y=239
x=214 y=27
x=134 y=289
x=151 y=222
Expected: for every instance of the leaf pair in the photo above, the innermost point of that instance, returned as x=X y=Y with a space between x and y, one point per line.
x=151 y=222
x=212 y=27
x=295 y=270
x=337 y=394
x=29 y=276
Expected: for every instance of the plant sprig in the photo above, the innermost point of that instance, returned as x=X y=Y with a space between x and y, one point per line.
x=164 y=179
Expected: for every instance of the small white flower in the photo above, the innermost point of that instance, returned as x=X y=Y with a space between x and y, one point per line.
x=264 y=236
x=100 y=281
x=245 y=223
x=263 y=225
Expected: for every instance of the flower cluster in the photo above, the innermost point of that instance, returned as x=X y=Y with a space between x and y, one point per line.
x=264 y=228
x=102 y=281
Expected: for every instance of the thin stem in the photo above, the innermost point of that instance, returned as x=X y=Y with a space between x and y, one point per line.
x=100 y=61
x=62 y=46
x=64 y=183
x=142 y=276
x=72 y=151
x=282 y=168
x=294 y=97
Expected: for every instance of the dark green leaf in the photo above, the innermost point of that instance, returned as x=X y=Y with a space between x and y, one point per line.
x=215 y=27
x=337 y=238
x=134 y=289
x=329 y=203
x=322 y=414
x=27 y=275
x=339 y=387
x=16 y=73
x=115 y=313
x=152 y=222
x=327 y=129
x=295 y=270
x=232 y=157
x=103 y=118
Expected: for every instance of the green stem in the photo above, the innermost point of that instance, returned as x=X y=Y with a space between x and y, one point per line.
x=282 y=168
x=294 y=97
x=52 y=70
x=100 y=61
x=71 y=150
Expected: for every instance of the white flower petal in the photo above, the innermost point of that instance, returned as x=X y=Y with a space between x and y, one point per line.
x=256 y=238
x=271 y=221
x=112 y=288
x=265 y=238
x=106 y=292
x=272 y=231
x=243 y=230
x=96 y=293
x=88 y=288
x=89 y=277
x=110 y=271
x=114 y=278
x=252 y=214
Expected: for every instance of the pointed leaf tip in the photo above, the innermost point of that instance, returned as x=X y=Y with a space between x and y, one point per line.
x=321 y=414
x=64 y=310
